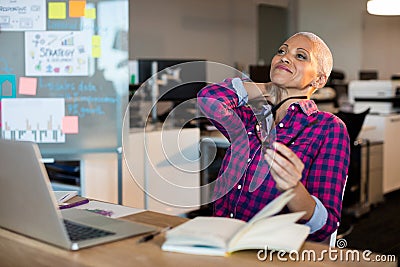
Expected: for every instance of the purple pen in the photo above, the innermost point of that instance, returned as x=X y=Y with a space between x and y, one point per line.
x=74 y=204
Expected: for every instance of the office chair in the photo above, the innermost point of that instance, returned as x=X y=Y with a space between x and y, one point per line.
x=351 y=198
x=353 y=122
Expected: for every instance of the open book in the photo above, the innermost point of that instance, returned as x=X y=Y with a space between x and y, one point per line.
x=220 y=236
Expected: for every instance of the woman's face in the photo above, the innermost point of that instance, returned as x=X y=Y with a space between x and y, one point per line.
x=294 y=65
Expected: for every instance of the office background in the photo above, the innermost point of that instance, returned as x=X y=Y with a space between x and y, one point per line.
x=226 y=31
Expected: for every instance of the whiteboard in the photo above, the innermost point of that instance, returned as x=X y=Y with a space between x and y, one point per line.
x=64 y=74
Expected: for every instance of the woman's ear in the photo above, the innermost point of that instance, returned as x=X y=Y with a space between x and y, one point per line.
x=320 y=82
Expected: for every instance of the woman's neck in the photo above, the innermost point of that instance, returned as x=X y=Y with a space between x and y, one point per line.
x=285 y=93
x=307 y=91
x=282 y=110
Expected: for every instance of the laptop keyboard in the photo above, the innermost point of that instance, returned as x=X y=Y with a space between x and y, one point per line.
x=79 y=232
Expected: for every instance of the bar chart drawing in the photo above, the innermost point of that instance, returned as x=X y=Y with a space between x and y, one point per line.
x=33 y=119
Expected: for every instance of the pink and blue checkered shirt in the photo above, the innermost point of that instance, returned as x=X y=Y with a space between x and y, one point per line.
x=245 y=185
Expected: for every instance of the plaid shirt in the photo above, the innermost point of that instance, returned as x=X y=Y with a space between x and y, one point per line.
x=245 y=185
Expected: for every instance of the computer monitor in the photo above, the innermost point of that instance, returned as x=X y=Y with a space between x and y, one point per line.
x=368 y=75
x=184 y=81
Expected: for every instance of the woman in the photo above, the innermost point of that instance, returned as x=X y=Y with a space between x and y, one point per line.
x=311 y=149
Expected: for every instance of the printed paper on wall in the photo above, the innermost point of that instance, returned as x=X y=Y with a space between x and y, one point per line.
x=23 y=15
x=56 y=53
x=33 y=119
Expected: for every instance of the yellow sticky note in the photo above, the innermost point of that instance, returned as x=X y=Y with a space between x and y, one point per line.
x=70 y=125
x=96 y=40
x=96 y=51
x=77 y=9
x=27 y=86
x=57 y=10
x=90 y=13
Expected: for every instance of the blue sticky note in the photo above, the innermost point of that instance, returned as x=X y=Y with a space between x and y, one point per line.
x=8 y=87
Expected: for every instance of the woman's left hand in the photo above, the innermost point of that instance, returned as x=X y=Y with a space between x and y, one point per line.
x=286 y=168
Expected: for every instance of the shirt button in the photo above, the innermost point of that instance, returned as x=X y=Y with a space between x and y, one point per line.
x=249 y=133
x=292 y=107
x=239 y=186
x=248 y=160
x=281 y=125
x=231 y=215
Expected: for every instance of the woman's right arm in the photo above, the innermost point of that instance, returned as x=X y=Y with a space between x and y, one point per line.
x=225 y=105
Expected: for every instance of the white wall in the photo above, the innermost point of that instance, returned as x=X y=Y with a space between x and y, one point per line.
x=339 y=23
x=381 y=43
x=219 y=30
x=225 y=31
x=359 y=41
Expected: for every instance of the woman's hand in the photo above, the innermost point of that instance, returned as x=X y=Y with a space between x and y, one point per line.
x=286 y=168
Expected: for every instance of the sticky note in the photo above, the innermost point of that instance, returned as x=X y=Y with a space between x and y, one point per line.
x=77 y=9
x=96 y=52
x=96 y=40
x=8 y=87
x=27 y=86
x=70 y=125
x=57 y=10
x=90 y=13
x=96 y=46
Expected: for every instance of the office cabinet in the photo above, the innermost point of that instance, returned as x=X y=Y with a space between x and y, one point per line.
x=213 y=151
x=93 y=176
x=373 y=161
x=162 y=170
x=386 y=128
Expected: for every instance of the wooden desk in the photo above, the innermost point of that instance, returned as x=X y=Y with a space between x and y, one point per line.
x=17 y=250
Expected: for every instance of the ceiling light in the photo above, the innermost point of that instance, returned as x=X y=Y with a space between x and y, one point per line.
x=384 y=7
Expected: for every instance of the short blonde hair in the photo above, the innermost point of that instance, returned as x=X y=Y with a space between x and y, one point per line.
x=321 y=51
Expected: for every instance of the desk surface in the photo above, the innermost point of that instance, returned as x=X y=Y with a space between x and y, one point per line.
x=17 y=250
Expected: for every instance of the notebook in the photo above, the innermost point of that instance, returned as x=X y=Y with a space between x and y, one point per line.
x=28 y=205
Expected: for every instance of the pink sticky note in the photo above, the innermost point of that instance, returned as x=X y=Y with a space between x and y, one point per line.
x=27 y=86
x=70 y=125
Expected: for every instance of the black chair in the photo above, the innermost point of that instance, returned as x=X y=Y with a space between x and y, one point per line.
x=354 y=122
x=352 y=206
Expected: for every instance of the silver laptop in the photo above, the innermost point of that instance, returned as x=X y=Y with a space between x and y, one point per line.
x=28 y=205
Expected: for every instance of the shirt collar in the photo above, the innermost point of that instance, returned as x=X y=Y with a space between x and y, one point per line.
x=308 y=106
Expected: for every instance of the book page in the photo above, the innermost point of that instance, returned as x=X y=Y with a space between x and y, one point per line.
x=265 y=226
x=197 y=250
x=274 y=206
x=205 y=231
x=287 y=238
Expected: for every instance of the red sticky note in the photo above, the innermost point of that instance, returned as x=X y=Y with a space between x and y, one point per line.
x=27 y=86
x=70 y=125
x=77 y=9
